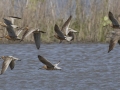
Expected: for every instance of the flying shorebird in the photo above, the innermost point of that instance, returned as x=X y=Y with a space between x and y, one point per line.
x=115 y=35
x=48 y=65
x=36 y=33
x=66 y=31
x=69 y=31
x=8 y=61
x=10 y=22
x=11 y=33
x=115 y=23
x=114 y=38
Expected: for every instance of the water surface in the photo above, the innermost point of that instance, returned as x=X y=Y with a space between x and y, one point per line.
x=84 y=67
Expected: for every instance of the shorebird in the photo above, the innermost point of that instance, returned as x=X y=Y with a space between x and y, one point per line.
x=10 y=22
x=8 y=61
x=115 y=35
x=11 y=33
x=48 y=65
x=36 y=33
x=114 y=38
x=66 y=31
x=115 y=23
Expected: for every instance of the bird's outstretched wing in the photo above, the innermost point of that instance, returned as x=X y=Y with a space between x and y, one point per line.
x=46 y=62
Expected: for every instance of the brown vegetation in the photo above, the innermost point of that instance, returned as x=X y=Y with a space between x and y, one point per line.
x=44 y=14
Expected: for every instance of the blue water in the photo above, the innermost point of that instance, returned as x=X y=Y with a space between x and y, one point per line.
x=84 y=67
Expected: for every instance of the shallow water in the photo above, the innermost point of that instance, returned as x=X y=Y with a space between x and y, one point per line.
x=84 y=67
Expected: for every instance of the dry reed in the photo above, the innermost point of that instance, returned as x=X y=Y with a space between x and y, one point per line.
x=87 y=16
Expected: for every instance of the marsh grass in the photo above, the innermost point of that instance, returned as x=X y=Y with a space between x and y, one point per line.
x=44 y=14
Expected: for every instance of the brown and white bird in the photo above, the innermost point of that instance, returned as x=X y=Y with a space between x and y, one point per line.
x=11 y=33
x=11 y=22
x=115 y=35
x=48 y=65
x=36 y=33
x=65 y=33
x=8 y=61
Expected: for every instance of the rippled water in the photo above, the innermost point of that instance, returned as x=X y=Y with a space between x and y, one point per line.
x=84 y=67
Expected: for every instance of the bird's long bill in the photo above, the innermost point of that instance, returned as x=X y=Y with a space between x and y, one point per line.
x=37 y=39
